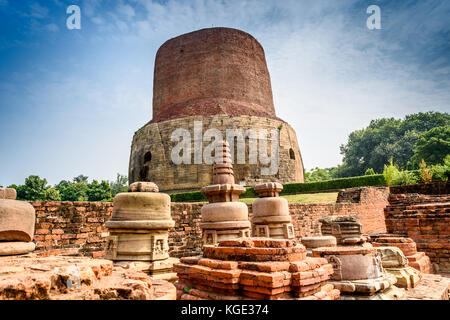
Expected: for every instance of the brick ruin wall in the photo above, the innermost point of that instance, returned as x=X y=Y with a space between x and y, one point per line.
x=78 y=227
x=424 y=218
x=150 y=158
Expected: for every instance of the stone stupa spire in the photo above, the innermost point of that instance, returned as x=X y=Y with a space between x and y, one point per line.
x=224 y=217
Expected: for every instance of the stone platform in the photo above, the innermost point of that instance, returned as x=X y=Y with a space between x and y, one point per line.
x=431 y=287
x=76 y=278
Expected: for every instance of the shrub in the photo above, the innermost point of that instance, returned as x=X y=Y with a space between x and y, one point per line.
x=390 y=173
x=293 y=188
x=405 y=177
x=369 y=172
x=425 y=171
x=442 y=171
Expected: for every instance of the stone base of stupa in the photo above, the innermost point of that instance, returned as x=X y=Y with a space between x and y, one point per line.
x=160 y=269
x=11 y=248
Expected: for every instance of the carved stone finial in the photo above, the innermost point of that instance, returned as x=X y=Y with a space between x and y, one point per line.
x=268 y=189
x=223 y=169
x=142 y=186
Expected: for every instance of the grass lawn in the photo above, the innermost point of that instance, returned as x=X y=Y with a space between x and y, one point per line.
x=329 y=197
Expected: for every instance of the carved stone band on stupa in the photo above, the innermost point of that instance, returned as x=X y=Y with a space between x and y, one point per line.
x=17 y=219
x=224 y=217
x=139 y=230
x=271 y=213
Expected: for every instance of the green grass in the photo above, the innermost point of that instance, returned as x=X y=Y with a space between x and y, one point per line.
x=326 y=197
x=329 y=197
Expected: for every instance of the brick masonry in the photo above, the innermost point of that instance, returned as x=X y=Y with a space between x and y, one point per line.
x=425 y=219
x=78 y=227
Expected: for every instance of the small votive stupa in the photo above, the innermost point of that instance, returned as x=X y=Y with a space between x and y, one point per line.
x=224 y=217
x=358 y=271
x=271 y=213
x=17 y=220
x=139 y=230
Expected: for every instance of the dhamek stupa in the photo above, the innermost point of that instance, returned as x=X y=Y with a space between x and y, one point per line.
x=219 y=77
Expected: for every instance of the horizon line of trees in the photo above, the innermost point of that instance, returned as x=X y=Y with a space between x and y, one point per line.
x=79 y=189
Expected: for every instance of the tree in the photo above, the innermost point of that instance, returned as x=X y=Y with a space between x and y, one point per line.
x=99 y=191
x=373 y=146
x=81 y=179
x=33 y=189
x=120 y=185
x=71 y=191
x=36 y=189
x=433 y=145
x=52 y=194
x=317 y=174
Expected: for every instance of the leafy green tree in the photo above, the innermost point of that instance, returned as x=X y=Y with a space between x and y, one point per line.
x=434 y=145
x=317 y=174
x=71 y=191
x=442 y=171
x=373 y=146
x=33 y=189
x=120 y=185
x=99 y=191
x=52 y=194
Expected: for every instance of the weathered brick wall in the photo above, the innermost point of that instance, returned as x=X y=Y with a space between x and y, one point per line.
x=71 y=227
x=78 y=227
x=425 y=219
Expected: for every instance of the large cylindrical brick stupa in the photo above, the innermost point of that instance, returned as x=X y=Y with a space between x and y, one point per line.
x=217 y=77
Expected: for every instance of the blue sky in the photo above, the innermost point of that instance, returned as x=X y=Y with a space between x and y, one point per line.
x=71 y=100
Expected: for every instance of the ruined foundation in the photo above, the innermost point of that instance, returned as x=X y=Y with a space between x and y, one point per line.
x=254 y=268
x=358 y=272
